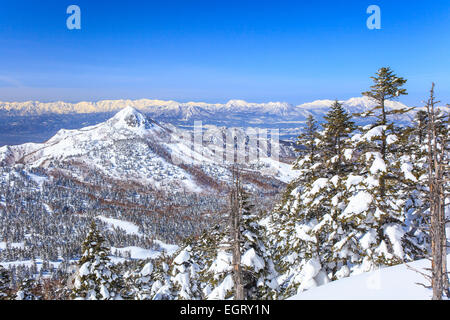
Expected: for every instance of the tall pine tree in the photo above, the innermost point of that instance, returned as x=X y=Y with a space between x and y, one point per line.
x=307 y=140
x=387 y=86
x=338 y=127
x=377 y=202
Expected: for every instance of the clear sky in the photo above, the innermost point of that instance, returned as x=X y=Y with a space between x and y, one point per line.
x=213 y=51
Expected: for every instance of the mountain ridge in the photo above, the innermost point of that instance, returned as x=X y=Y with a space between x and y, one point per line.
x=171 y=106
x=37 y=122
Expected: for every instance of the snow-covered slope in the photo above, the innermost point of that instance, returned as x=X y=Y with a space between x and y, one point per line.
x=393 y=283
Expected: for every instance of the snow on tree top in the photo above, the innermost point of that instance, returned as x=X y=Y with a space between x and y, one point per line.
x=374 y=132
x=358 y=203
x=353 y=180
x=182 y=257
x=378 y=165
x=318 y=184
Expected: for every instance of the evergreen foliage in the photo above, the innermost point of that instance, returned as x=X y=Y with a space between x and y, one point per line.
x=355 y=209
x=337 y=128
x=95 y=278
x=307 y=141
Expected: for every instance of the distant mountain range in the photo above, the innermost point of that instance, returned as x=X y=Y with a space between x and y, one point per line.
x=34 y=121
x=186 y=111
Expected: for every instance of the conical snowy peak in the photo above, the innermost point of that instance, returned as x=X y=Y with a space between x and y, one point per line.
x=129 y=117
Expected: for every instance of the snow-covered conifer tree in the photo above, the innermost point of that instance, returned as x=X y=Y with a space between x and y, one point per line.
x=348 y=216
x=151 y=281
x=184 y=274
x=305 y=229
x=377 y=202
x=95 y=278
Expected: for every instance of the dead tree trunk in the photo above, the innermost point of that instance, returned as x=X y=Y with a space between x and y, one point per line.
x=443 y=179
x=235 y=234
x=436 y=159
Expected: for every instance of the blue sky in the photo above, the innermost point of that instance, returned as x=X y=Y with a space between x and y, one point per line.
x=213 y=51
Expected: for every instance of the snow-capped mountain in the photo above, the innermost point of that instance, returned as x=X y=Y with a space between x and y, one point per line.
x=35 y=121
x=156 y=107
x=319 y=108
x=132 y=147
x=353 y=105
x=190 y=109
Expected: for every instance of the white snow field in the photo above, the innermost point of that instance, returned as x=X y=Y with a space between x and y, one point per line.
x=136 y=252
x=128 y=227
x=391 y=283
